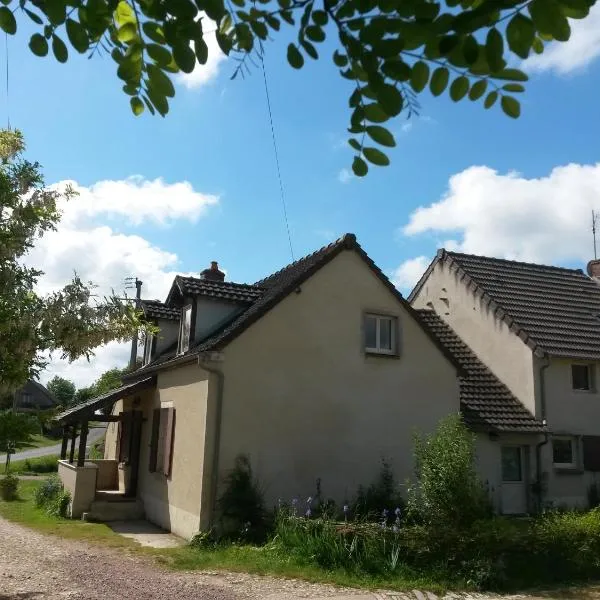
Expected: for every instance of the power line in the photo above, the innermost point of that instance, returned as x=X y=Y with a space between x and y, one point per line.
x=281 y=190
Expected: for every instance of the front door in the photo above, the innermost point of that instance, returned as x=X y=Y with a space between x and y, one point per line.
x=514 y=490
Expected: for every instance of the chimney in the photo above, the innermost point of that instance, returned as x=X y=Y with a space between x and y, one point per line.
x=593 y=269
x=213 y=273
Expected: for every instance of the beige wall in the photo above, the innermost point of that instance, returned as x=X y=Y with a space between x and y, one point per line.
x=489 y=337
x=210 y=313
x=169 y=331
x=303 y=400
x=80 y=482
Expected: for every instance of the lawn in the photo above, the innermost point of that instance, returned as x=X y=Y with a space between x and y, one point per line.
x=41 y=441
x=42 y=465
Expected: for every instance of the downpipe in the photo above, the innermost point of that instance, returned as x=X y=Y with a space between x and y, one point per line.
x=540 y=445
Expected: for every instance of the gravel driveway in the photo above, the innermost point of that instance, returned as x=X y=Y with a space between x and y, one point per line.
x=38 y=567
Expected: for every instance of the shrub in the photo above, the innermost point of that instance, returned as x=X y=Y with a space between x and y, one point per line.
x=448 y=490
x=51 y=496
x=9 y=485
x=381 y=495
x=242 y=513
x=42 y=464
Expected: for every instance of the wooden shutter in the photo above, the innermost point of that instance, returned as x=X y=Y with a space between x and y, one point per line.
x=118 y=449
x=591 y=453
x=168 y=440
x=125 y=439
x=154 y=439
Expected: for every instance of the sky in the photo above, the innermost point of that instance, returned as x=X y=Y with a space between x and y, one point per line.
x=159 y=197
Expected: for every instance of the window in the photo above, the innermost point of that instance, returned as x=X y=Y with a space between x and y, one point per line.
x=511 y=464
x=380 y=334
x=185 y=328
x=148 y=344
x=581 y=377
x=161 y=441
x=563 y=452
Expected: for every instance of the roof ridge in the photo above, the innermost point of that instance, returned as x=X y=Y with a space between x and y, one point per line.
x=515 y=262
x=213 y=282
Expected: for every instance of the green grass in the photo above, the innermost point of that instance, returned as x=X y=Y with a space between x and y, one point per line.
x=42 y=465
x=41 y=441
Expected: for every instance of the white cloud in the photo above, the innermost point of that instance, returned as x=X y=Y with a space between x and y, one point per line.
x=345 y=175
x=581 y=49
x=546 y=220
x=84 y=243
x=406 y=127
x=408 y=273
x=204 y=74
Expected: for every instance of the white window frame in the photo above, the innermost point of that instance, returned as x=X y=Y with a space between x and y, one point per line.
x=591 y=382
x=393 y=351
x=149 y=342
x=574 y=452
x=180 y=346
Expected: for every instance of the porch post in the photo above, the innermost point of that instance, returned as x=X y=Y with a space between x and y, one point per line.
x=65 y=443
x=82 y=442
x=73 y=436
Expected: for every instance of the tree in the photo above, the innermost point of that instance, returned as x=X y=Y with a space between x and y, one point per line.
x=71 y=321
x=16 y=430
x=62 y=389
x=390 y=49
x=109 y=380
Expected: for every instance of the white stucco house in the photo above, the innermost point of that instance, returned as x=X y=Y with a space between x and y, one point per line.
x=537 y=328
x=317 y=371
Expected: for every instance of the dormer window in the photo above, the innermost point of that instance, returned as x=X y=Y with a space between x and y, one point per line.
x=148 y=345
x=185 y=328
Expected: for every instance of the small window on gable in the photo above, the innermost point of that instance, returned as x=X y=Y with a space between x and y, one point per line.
x=148 y=345
x=581 y=377
x=161 y=441
x=564 y=452
x=380 y=334
x=185 y=328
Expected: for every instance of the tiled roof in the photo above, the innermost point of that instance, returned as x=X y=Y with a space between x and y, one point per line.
x=557 y=308
x=486 y=402
x=222 y=290
x=155 y=309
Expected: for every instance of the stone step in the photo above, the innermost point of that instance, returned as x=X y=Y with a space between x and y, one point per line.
x=109 y=510
x=112 y=496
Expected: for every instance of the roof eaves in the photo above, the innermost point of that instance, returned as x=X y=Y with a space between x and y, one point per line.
x=419 y=285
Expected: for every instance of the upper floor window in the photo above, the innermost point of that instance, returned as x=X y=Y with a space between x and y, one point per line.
x=149 y=343
x=564 y=452
x=581 y=377
x=185 y=328
x=380 y=334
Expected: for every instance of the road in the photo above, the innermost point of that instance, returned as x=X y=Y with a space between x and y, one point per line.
x=93 y=436
x=34 y=566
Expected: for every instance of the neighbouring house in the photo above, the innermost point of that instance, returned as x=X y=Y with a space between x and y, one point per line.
x=537 y=328
x=33 y=396
x=318 y=371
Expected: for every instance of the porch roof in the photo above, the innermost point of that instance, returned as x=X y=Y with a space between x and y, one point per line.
x=85 y=410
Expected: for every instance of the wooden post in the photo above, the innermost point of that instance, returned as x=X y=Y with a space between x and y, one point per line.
x=82 y=443
x=65 y=443
x=73 y=436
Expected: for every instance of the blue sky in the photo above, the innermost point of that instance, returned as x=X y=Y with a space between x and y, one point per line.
x=521 y=189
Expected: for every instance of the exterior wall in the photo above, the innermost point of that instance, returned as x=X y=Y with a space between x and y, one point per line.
x=210 y=313
x=174 y=502
x=169 y=330
x=80 y=482
x=112 y=432
x=488 y=336
x=303 y=400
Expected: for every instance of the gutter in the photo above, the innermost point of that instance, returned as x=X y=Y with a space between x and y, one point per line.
x=539 y=445
x=214 y=476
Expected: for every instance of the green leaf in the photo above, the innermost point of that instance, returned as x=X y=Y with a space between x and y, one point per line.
x=355 y=144
x=549 y=19
x=201 y=51
x=124 y=14
x=127 y=33
x=391 y=99
x=478 y=89
x=38 y=44
x=320 y=17
x=448 y=43
x=459 y=88
x=377 y=157
x=59 y=49
x=512 y=74
x=160 y=81
x=520 y=34
x=510 y=106
x=35 y=18
x=77 y=36
x=340 y=60
x=56 y=11
x=309 y=49
x=490 y=99
x=375 y=113
x=159 y=101
x=315 y=33
x=514 y=87
x=397 y=70
x=537 y=45
x=148 y=104
x=184 y=57
x=159 y=54
x=419 y=76
x=7 y=20
x=154 y=32
x=439 y=81
x=260 y=29
x=137 y=106
x=494 y=49
x=294 y=57
x=381 y=135
x=359 y=167
x=470 y=49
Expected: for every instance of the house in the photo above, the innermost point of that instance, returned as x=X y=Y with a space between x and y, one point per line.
x=537 y=328
x=33 y=396
x=315 y=372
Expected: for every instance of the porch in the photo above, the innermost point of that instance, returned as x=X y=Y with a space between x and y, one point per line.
x=102 y=489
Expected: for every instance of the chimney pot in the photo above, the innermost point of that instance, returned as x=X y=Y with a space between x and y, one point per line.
x=213 y=273
x=593 y=269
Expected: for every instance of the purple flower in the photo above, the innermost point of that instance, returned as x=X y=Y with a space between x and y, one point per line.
x=385 y=513
x=398 y=512
x=294 y=501
x=308 y=513
x=309 y=500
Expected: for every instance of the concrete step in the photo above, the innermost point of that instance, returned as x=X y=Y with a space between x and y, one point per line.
x=112 y=496
x=109 y=510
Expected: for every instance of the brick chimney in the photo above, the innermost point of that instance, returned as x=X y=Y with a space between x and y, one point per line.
x=213 y=273
x=593 y=269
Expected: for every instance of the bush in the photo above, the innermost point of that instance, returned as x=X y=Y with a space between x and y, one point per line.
x=43 y=464
x=382 y=495
x=448 y=490
x=242 y=513
x=52 y=496
x=9 y=485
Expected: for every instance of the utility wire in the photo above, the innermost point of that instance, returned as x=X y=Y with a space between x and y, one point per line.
x=281 y=190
